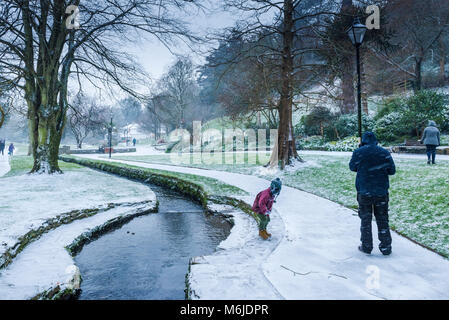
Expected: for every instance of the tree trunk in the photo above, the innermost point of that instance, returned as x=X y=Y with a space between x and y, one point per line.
x=364 y=84
x=442 y=75
x=2 y=116
x=347 y=86
x=286 y=140
x=418 y=72
x=348 y=69
x=46 y=147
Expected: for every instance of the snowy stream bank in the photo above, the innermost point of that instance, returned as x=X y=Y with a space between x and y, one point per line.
x=42 y=214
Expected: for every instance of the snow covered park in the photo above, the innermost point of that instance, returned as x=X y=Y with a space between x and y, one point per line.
x=311 y=255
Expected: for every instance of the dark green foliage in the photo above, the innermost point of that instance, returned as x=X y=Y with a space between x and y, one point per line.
x=407 y=117
x=347 y=125
x=318 y=121
x=332 y=127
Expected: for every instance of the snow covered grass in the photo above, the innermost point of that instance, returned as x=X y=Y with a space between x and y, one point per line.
x=21 y=164
x=419 y=207
x=445 y=140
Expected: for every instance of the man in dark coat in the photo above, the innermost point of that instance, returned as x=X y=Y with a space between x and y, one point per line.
x=373 y=165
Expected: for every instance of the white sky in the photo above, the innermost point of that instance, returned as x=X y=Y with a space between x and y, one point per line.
x=156 y=58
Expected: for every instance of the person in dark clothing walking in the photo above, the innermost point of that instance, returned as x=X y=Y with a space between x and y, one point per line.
x=134 y=142
x=11 y=149
x=2 y=146
x=431 y=138
x=373 y=165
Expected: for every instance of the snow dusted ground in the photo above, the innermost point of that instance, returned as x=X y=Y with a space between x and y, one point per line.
x=237 y=261
x=46 y=263
x=395 y=155
x=313 y=254
x=29 y=200
x=4 y=165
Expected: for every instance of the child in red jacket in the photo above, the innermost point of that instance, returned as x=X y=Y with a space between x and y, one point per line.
x=263 y=204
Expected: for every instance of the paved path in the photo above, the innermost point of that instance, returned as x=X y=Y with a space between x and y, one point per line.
x=316 y=257
x=4 y=164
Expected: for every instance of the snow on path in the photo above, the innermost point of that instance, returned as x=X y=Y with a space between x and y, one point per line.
x=317 y=255
x=234 y=271
x=4 y=165
x=46 y=263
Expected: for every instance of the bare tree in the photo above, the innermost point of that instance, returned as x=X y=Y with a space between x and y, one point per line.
x=85 y=116
x=418 y=26
x=288 y=23
x=178 y=85
x=42 y=47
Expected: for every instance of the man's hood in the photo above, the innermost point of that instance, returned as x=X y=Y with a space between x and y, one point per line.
x=369 y=138
x=432 y=123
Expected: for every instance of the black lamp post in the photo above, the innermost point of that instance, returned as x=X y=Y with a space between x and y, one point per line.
x=110 y=138
x=357 y=34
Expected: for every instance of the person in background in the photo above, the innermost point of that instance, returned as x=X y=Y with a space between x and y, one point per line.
x=431 y=138
x=2 y=146
x=11 y=149
x=134 y=142
x=373 y=165
x=263 y=204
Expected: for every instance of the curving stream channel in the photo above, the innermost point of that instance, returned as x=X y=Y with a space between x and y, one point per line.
x=148 y=257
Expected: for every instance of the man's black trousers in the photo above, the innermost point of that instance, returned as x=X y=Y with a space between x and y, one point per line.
x=379 y=206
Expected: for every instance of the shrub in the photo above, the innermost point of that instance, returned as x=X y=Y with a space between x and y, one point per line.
x=317 y=143
x=409 y=116
x=317 y=122
x=390 y=127
x=347 y=125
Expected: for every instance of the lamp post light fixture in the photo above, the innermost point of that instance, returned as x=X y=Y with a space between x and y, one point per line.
x=357 y=34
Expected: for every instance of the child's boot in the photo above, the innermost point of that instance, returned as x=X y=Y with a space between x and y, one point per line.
x=263 y=235
x=268 y=234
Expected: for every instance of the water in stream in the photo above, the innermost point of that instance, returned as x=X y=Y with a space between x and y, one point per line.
x=148 y=257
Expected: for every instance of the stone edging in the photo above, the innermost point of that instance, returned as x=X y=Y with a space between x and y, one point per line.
x=48 y=225
x=72 y=289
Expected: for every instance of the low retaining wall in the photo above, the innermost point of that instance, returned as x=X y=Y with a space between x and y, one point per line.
x=50 y=224
x=418 y=150
x=67 y=150
x=72 y=289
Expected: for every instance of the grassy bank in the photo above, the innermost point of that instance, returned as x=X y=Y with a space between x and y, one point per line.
x=22 y=164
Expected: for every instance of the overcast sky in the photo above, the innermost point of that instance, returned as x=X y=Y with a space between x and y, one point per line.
x=156 y=58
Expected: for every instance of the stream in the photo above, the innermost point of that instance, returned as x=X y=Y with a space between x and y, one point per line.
x=147 y=258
